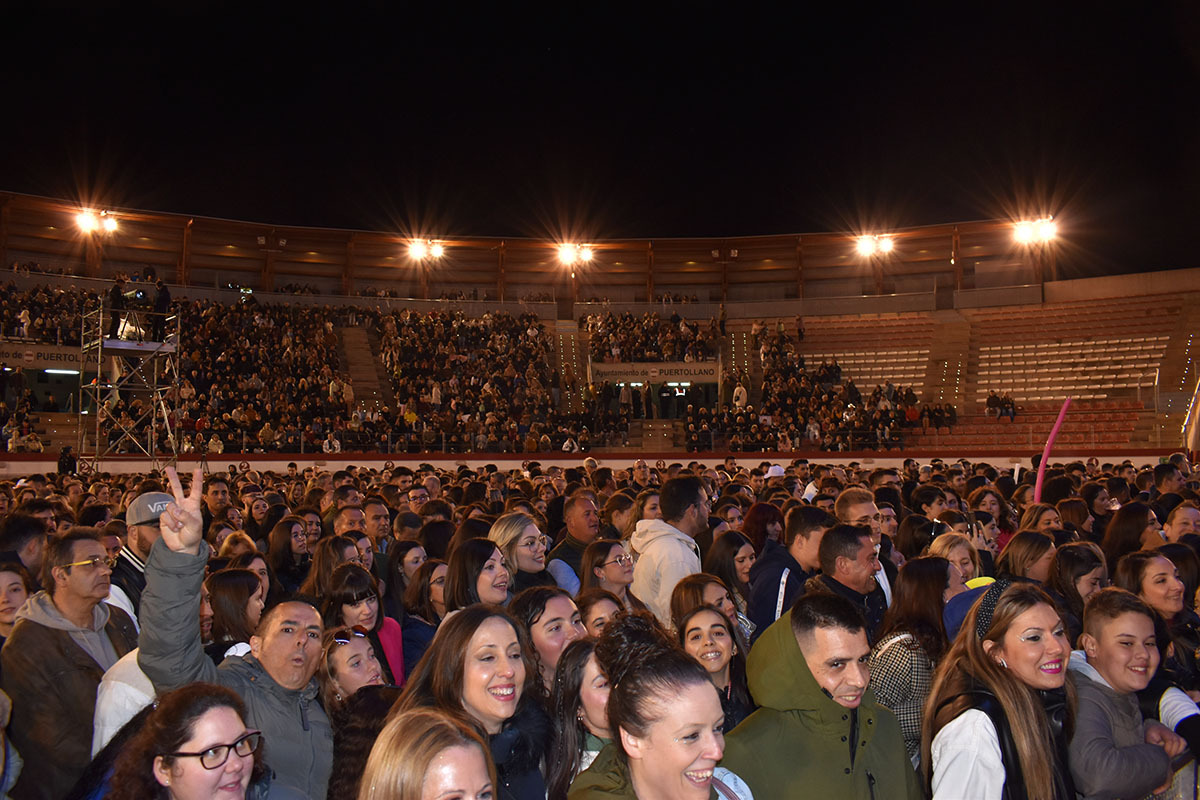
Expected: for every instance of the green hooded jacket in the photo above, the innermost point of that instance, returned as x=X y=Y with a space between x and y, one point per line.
x=797 y=744
x=608 y=779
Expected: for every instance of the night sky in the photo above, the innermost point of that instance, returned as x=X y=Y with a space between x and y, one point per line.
x=626 y=123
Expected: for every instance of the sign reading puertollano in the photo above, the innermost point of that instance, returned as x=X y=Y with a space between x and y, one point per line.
x=39 y=356
x=661 y=372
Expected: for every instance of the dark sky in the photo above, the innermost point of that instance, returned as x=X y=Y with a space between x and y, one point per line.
x=626 y=122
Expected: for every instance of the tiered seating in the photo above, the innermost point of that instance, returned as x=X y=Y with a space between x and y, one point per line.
x=1102 y=423
x=1086 y=369
x=854 y=332
x=871 y=367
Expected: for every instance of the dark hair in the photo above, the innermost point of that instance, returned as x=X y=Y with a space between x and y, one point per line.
x=416 y=594
x=279 y=542
x=462 y=575
x=678 y=495
x=1163 y=471
x=1071 y=562
x=596 y=555
x=1110 y=603
x=914 y=535
x=18 y=530
x=325 y=560
x=803 y=520
x=170 y=724
x=397 y=551
x=1123 y=534
x=1022 y=550
x=1132 y=567
x=720 y=561
x=917 y=602
x=824 y=610
x=18 y=569
x=840 y=541
x=435 y=537
x=437 y=679
x=60 y=550
x=566 y=754
x=350 y=584
x=527 y=608
x=689 y=593
x=1188 y=565
x=590 y=597
x=925 y=495
x=229 y=591
x=644 y=666
x=738 y=689
x=356 y=725
x=754 y=524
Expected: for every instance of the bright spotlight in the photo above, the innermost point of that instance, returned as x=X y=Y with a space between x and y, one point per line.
x=886 y=244
x=109 y=222
x=1046 y=229
x=87 y=221
x=437 y=251
x=418 y=250
x=1023 y=232
x=568 y=253
x=585 y=254
x=867 y=245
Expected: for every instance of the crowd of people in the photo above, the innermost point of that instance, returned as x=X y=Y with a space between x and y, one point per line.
x=591 y=632
x=614 y=337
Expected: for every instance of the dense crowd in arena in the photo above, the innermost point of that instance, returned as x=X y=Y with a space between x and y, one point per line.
x=651 y=337
x=591 y=632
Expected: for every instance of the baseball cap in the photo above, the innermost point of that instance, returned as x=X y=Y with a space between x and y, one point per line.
x=775 y=471
x=147 y=508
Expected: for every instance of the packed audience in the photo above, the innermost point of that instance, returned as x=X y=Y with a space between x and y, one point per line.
x=651 y=337
x=944 y=630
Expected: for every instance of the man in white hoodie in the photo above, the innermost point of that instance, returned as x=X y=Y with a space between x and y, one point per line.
x=666 y=547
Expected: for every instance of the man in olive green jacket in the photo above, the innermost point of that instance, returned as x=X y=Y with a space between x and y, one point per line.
x=818 y=731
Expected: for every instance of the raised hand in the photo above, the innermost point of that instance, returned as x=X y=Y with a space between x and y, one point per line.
x=182 y=524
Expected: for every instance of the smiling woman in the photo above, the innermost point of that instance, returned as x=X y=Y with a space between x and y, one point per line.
x=476 y=668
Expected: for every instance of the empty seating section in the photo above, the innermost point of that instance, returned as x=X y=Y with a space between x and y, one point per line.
x=1084 y=368
x=869 y=368
x=1095 y=423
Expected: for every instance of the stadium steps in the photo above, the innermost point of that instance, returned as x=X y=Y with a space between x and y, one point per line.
x=656 y=435
x=949 y=355
x=360 y=355
x=569 y=355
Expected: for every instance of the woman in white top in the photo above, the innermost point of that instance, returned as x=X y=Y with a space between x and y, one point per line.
x=1000 y=712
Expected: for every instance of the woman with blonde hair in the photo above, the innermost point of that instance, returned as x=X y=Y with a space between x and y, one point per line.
x=523 y=546
x=958 y=550
x=1008 y=663
x=426 y=752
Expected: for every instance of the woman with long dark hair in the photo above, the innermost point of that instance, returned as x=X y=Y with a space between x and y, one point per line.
x=911 y=642
x=353 y=601
x=1155 y=579
x=989 y=499
x=1026 y=557
x=578 y=708
x=1077 y=572
x=552 y=621
x=763 y=523
x=1000 y=712
x=1134 y=527
x=476 y=574
x=478 y=672
x=425 y=607
x=331 y=552
x=730 y=558
x=709 y=636
x=404 y=558
x=238 y=600
x=287 y=552
x=607 y=564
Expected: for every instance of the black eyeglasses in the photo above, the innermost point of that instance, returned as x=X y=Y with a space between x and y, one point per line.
x=215 y=757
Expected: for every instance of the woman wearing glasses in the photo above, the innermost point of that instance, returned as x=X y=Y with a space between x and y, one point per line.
x=607 y=565
x=524 y=547
x=194 y=745
x=353 y=602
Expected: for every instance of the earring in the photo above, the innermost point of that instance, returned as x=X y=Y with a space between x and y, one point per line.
x=1004 y=663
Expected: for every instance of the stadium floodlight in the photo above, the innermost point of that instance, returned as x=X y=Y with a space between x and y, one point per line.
x=87 y=221
x=867 y=245
x=586 y=254
x=568 y=253
x=1039 y=231
x=886 y=244
x=418 y=250
x=108 y=221
x=437 y=250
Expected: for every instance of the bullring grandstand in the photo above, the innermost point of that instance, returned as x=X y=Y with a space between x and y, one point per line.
x=350 y=345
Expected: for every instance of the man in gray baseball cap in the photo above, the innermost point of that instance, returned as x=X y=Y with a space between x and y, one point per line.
x=129 y=574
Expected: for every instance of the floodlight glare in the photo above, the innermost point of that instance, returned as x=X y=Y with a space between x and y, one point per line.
x=1023 y=232
x=110 y=223
x=437 y=251
x=585 y=254
x=568 y=253
x=886 y=244
x=86 y=221
x=866 y=245
x=1046 y=229
x=418 y=250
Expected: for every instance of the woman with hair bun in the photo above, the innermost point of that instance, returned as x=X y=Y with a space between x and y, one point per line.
x=665 y=718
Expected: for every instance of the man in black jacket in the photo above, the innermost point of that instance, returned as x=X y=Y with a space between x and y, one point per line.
x=777 y=578
x=129 y=574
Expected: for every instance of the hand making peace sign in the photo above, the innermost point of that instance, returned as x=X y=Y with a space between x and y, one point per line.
x=182 y=524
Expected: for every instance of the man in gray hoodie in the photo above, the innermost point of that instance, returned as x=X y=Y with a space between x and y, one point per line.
x=64 y=639
x=275 y=679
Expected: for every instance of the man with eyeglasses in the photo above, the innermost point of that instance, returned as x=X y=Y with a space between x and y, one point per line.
x=276 y=679
x=64 y=639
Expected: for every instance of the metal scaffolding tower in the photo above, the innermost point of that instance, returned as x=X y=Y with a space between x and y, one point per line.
x=128 y=385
